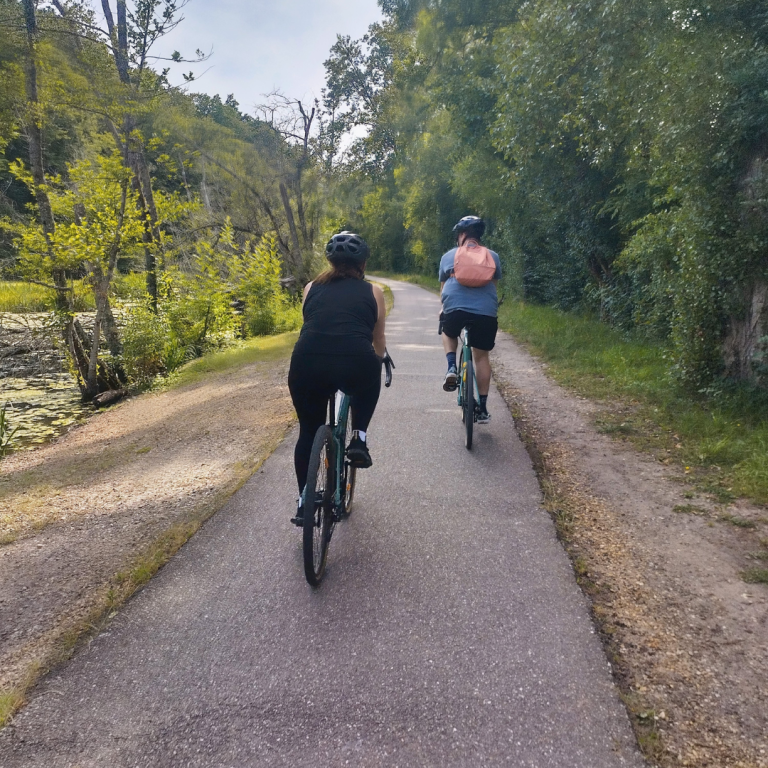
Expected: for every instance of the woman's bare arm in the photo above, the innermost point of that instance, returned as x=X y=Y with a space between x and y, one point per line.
x=379 y=339
x=306 y=291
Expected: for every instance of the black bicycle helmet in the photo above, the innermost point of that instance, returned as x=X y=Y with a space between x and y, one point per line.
x=347 y=246
x=473 y=223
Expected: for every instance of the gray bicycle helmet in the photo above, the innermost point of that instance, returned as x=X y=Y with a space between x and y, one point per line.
x=347 y=246
x=473 y=223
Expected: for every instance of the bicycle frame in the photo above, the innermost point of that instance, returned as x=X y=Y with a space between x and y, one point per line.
x=338 y=415
x=466 y=353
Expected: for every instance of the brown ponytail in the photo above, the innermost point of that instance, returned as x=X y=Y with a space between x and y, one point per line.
x=342 y=270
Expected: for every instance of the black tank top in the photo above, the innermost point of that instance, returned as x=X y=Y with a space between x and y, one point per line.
x=339 y=318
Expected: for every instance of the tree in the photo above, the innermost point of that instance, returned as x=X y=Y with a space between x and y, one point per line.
x=33 y=131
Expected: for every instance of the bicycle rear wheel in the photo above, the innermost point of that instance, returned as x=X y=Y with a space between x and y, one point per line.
x=350 y=475
x=318 y=505
x=467 y=397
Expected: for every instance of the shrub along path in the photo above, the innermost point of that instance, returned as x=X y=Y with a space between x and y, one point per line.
x=88 y=518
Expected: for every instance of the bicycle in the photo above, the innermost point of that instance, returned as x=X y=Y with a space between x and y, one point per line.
x=330 y=488
x=467 y=393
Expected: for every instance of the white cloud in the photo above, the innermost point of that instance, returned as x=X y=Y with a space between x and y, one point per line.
x=259 y=46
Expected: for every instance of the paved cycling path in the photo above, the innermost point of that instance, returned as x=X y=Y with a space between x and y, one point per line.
x=449 y=630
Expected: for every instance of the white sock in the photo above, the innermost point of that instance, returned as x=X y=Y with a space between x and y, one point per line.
x=361 y=434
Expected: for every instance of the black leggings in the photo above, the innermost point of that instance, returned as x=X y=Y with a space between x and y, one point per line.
x=313 y=380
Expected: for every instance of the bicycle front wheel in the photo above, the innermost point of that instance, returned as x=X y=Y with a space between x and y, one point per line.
x=467 y=398
x=318 y=505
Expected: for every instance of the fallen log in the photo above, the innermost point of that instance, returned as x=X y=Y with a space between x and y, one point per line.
x=109 y=397
x=16 y=349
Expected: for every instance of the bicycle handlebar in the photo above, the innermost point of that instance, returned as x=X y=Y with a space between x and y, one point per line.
x=388 y=364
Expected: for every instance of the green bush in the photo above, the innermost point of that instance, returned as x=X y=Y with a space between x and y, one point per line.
x=268 y=307
x=198 y=312
x=145 y=344
x=131 y=287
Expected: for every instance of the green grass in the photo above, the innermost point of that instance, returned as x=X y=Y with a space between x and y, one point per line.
x=24 y=297
x=739 y=522
x=250 y=351
x=689 y=509
x=10 y=701
x=20 y=297
x=721 y=441
x=755 y=576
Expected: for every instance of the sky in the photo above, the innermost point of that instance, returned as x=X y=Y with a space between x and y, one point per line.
x=259 y=46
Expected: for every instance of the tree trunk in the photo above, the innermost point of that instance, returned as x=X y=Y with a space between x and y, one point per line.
x=745 y=332
x=300 y=208
x=110 y=331
x=91 y=380
x=94 y=375
x=35 y=142
x=296 y=254
x=134 y=150
x=98 y=375
x=204 y=188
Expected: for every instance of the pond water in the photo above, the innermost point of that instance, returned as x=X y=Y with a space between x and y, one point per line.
x=42 y=407
x=40 y=396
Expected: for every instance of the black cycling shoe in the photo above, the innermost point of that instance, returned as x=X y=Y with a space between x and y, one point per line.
x=482 y=416
x=357 y=453
x=298 y=519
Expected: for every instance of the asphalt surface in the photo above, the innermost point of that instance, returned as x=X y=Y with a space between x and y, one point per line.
x=449 y=630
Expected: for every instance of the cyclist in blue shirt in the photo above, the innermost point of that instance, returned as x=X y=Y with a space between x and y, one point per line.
x=475 y=309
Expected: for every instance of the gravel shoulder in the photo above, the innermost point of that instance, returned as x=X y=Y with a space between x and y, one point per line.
x=88 y=518
x=686 y=636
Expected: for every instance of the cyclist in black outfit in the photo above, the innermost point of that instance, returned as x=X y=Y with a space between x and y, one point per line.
x=340 y=347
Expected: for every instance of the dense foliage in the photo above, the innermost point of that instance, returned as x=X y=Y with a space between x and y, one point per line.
x=107 y=173
x=619 y=152
x=618 y=149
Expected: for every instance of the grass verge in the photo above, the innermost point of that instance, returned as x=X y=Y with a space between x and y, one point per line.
x=258 y=349
x=389 y=299
x=19 y=297
x=720 y=440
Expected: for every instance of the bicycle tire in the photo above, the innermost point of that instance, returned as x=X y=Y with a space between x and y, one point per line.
x=318 y=505
x=349 y=476
x=468 y=399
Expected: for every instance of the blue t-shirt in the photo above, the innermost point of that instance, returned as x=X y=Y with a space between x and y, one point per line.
x=480 y=301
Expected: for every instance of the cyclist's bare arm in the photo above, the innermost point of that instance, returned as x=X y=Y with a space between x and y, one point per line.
x=306 y=291
x=379 y=340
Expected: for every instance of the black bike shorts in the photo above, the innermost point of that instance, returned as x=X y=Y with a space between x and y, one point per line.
x=482 y=328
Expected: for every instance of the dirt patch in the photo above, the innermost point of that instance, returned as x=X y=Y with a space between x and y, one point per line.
x=664 y=567
x=88 y=518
